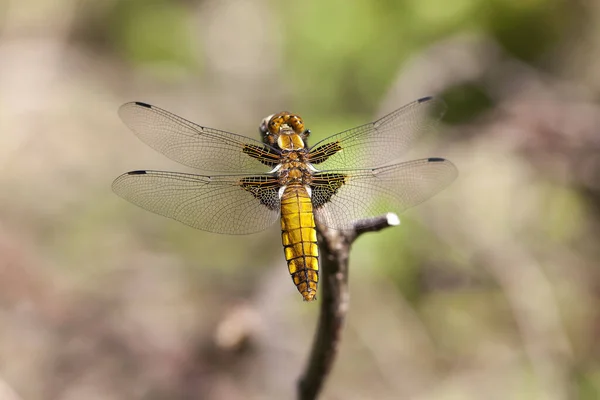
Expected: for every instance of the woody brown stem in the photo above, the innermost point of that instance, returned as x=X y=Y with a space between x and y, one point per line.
x=334 y=247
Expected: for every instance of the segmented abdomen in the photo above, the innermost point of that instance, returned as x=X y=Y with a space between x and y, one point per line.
x=299 y=238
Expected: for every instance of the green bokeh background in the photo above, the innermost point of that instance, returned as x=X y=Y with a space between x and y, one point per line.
x=489 y=290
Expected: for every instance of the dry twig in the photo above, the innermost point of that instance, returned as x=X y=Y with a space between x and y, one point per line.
x=335 y=249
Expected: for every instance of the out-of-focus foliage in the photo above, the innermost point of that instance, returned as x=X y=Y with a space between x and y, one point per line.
x=489 y=290
x=346 y=55
x=153 y=31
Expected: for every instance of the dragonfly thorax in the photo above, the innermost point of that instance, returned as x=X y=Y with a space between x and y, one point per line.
x=294 y=168
x=290 y=142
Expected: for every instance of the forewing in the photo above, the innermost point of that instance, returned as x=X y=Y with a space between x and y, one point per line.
x=380 y=142
x=341 y=197
x=221 y=204
x=196 y=146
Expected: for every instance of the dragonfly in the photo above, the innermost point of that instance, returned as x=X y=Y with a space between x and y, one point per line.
x=251 y=184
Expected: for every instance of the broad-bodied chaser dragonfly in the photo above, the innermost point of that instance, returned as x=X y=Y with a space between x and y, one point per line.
x=351 y=175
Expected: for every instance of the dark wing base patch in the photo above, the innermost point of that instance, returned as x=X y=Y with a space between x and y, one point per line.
x=264 y=189
x=262 y=154
x=324 y=186
x=322 y=153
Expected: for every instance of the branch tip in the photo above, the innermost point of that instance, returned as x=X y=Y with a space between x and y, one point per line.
x=335 y=250
x=392 y=219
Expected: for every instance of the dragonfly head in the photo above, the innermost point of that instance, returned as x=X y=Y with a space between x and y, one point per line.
x=283 y=124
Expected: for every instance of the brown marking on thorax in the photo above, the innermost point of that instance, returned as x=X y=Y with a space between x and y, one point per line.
x=294 y=168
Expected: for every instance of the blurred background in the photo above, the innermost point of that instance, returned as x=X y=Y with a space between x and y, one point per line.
x=489 y=290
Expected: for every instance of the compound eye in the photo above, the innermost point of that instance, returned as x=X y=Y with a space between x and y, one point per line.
x=263 y=129
x=274 y=125
x=307 y=132
x=297 y=124
x=264 y=125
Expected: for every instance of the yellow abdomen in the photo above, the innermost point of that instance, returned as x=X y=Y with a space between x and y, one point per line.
x=299 y=238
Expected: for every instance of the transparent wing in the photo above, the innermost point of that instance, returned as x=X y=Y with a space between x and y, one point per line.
x=222 y=204
x=196 y=146
x=379 y=142
x=343 y=196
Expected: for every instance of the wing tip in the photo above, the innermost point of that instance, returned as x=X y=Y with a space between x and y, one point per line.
x=447 y=163
x=436 y=159
x=437 y=104
x=142 y=104
x=119 y=180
